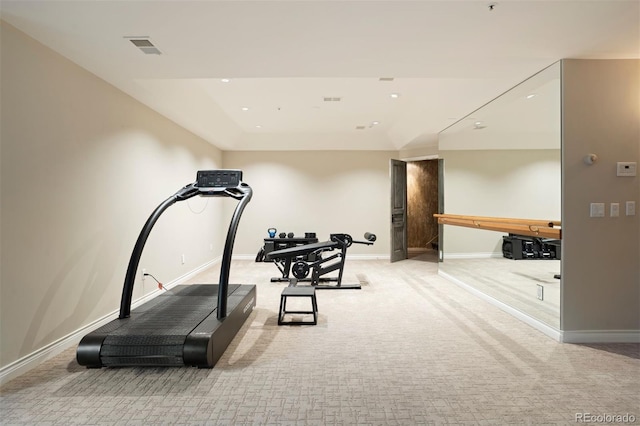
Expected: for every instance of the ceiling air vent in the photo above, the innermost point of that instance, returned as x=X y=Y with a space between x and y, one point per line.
x=385 y=79
x=145 y=45
x=359 y=127
x=332 y=99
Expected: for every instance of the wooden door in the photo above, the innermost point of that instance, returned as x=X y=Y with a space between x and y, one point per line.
x=398 y=171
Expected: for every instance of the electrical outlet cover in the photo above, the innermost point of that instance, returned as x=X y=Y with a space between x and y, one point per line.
x=540 y=294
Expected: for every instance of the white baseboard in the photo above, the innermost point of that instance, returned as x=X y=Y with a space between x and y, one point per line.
x=192 y=273
x=601 y=336
x=29 y=362
x=533 y=322
x=243 y=256
x=368 y=257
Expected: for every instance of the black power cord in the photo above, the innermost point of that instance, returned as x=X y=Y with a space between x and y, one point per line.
x=160 y=286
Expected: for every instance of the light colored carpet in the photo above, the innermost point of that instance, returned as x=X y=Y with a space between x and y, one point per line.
x=409 y=348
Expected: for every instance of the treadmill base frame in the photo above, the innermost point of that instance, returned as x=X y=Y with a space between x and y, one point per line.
x=202 y=347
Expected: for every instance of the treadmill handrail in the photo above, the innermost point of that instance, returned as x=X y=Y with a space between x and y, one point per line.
x=183 y=193
x=243 y=192
x=225 y=266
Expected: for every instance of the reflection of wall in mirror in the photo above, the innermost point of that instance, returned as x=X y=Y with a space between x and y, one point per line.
x=508 y=165
x=509 y=183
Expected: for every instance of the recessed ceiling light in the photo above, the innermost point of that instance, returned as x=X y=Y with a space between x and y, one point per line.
x=375 y=122
x=533 y=95
x=245 y=108
x=395 y=95
x=225 y=80
x=258 y=126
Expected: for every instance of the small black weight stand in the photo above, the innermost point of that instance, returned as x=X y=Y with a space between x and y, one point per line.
x=293 y=291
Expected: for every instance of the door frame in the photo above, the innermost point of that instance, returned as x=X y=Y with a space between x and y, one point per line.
x=440 y=201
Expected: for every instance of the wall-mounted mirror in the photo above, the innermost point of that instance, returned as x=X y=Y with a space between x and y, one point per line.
x=504 y=161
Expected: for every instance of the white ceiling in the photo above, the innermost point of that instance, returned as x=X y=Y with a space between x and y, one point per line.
x=447 y=58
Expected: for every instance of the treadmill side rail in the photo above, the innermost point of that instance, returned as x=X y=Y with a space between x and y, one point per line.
x=205 y=345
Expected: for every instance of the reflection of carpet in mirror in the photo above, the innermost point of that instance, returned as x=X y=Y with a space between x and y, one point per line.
x=514 y=282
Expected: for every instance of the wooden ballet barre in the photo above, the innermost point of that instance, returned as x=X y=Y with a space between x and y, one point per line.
x=529 y=227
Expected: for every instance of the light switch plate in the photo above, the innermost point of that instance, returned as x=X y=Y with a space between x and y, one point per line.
x=630 y=208
x=615 y=210
x=597 y=210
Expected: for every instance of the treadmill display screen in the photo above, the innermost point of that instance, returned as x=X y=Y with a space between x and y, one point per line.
x=219 y=178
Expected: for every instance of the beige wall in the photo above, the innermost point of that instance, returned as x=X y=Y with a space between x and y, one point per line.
x=414 y=154
x=601 y=115
x=500 y=183
x=83 y=166
x=315 y=191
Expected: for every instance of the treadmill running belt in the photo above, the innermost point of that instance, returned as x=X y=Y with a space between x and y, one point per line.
x=158 y=335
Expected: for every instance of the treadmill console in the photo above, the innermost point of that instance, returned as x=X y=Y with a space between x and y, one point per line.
x=219 y=178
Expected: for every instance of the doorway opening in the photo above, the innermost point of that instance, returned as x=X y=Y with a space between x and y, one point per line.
x=422 y=203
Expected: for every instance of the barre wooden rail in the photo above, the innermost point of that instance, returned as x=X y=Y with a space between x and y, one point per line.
x=529 y=227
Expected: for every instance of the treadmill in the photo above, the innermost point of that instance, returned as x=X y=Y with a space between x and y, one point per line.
x=190 y=324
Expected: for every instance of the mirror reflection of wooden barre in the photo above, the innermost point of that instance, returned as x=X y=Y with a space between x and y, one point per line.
x=530 y=227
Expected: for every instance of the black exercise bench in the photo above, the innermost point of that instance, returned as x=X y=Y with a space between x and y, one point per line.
x=293 y=259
